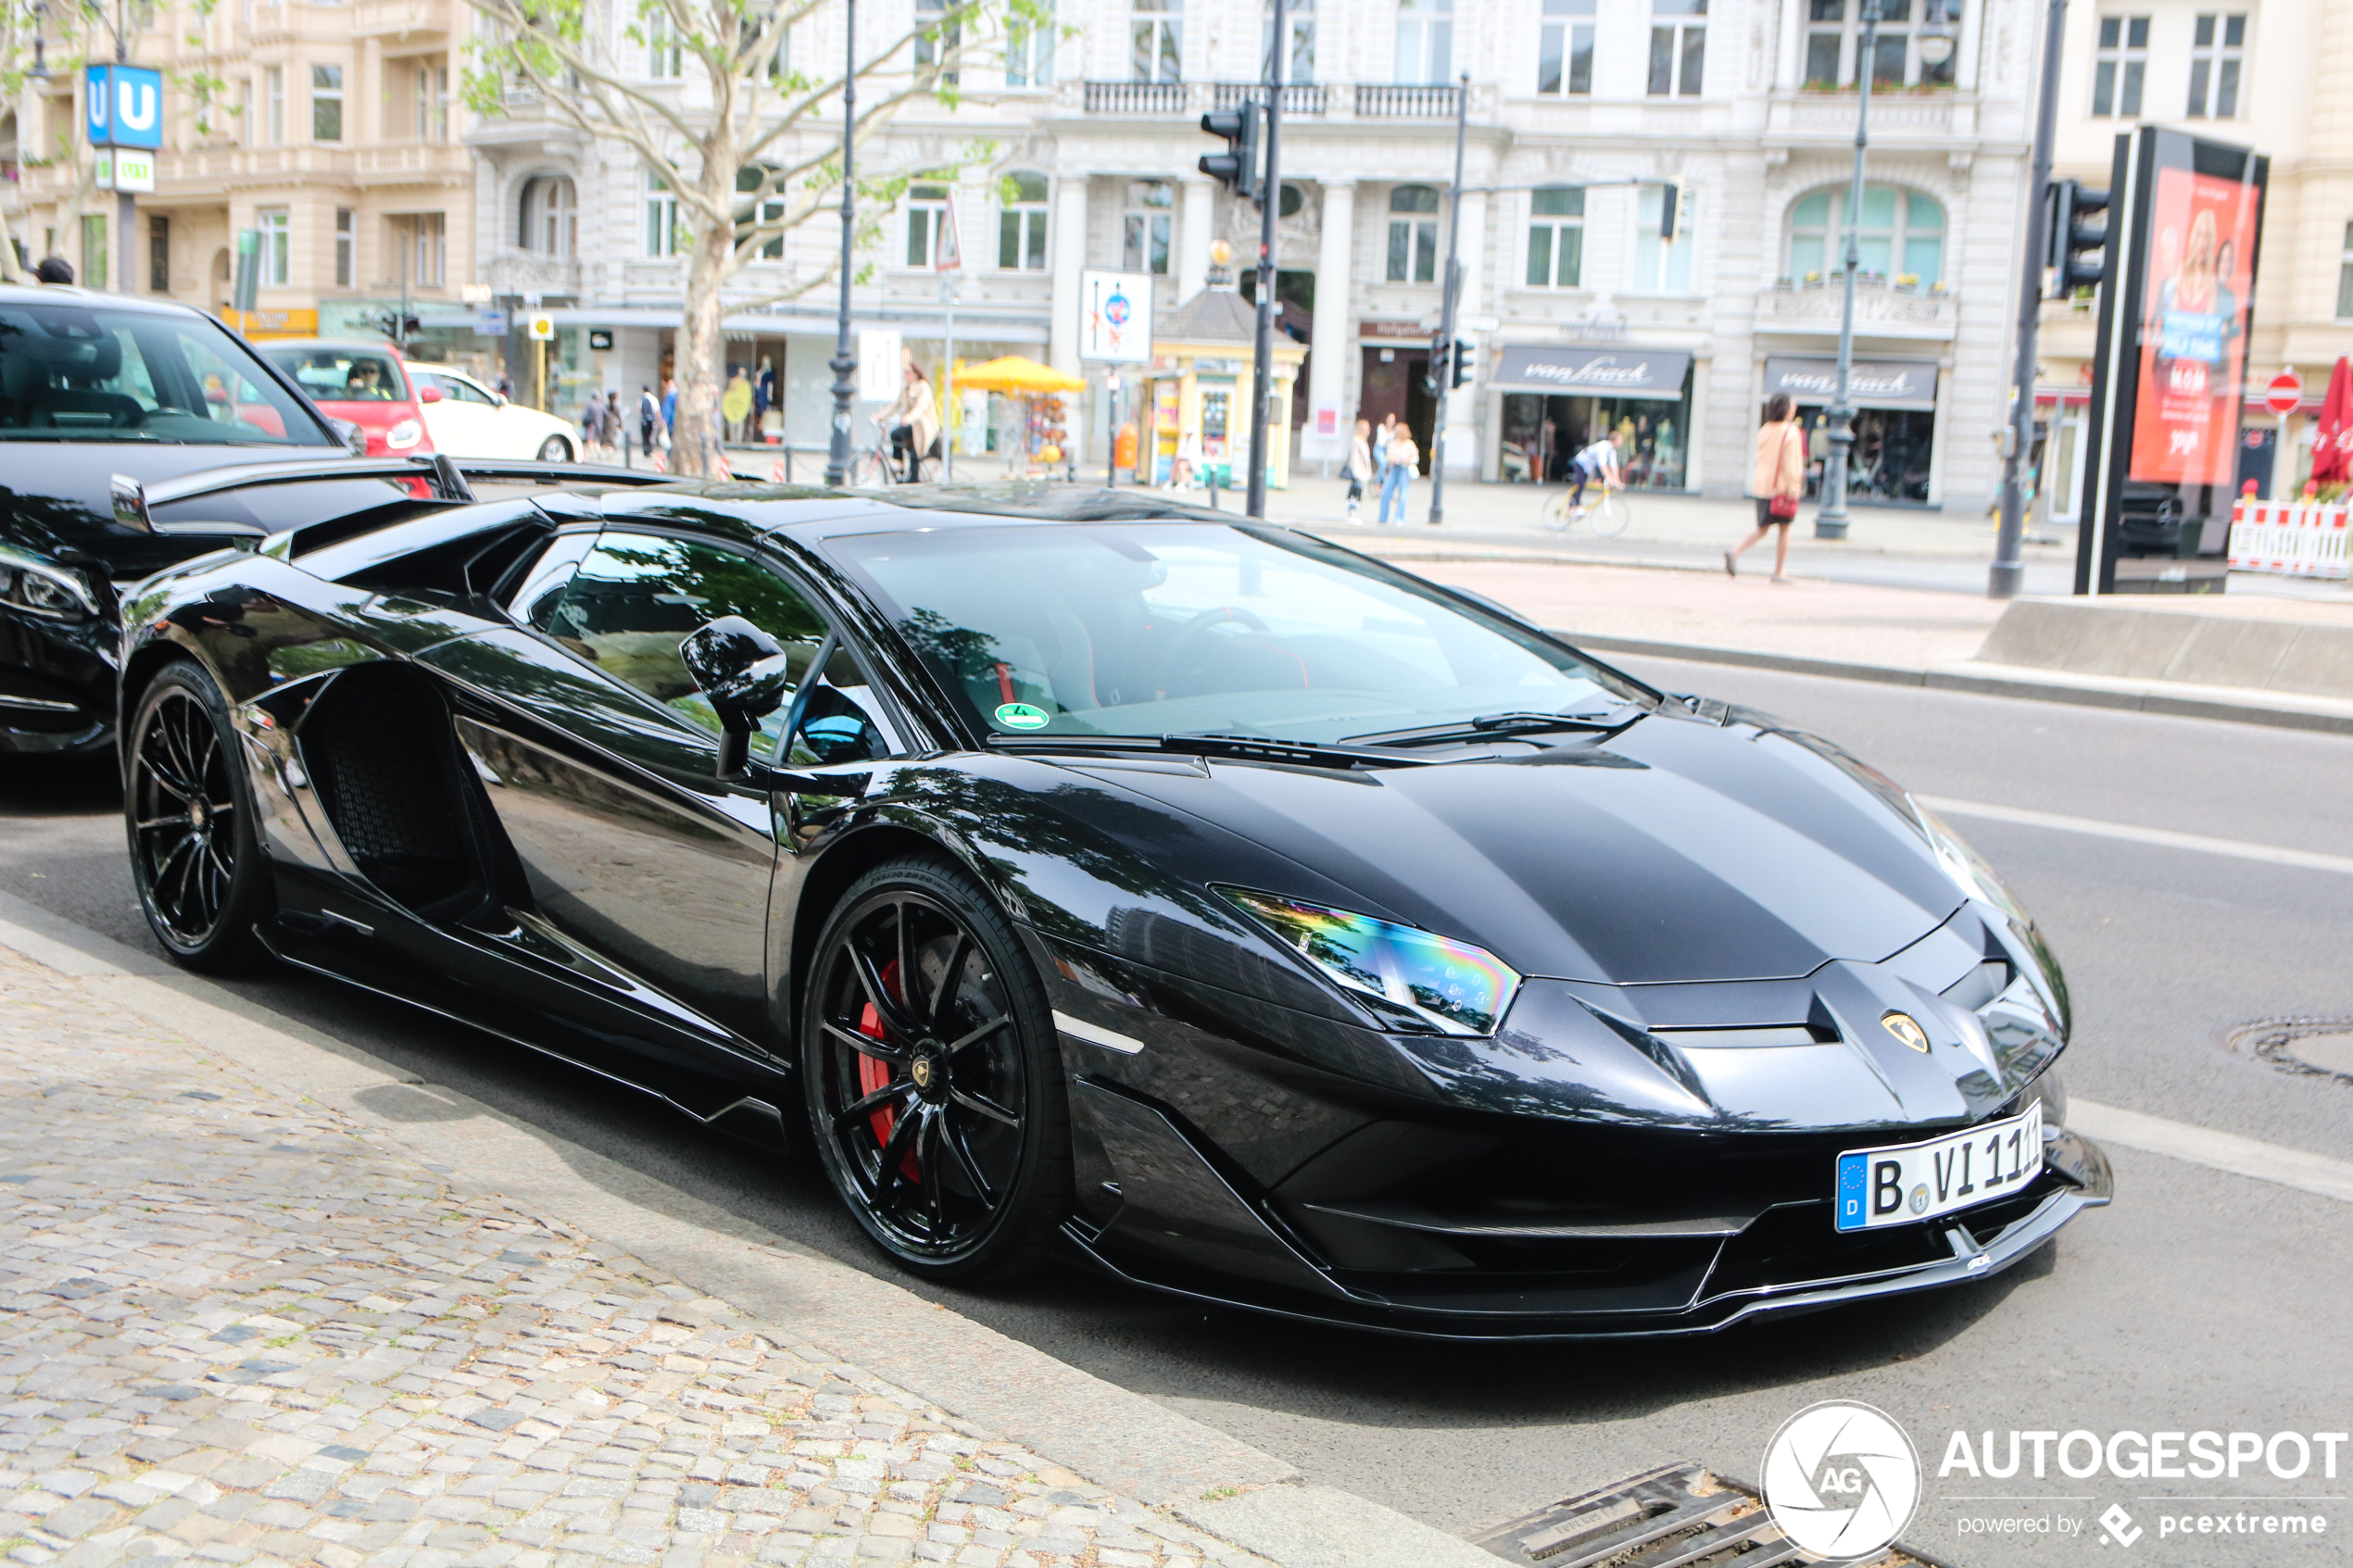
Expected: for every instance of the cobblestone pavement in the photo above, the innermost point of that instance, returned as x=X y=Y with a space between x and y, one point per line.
x=244 y=1329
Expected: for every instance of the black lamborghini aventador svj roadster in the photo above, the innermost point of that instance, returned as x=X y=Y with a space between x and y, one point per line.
x=1072 y=873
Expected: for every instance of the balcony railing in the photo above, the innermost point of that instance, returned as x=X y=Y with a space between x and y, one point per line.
x=1138 y=97
x=1377 y=100
x=1299 y=97
x=410 y=163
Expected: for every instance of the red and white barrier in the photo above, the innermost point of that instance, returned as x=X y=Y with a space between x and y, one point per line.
x=2294 y=538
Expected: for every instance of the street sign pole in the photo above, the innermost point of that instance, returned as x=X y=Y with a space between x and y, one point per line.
x=1270 y=201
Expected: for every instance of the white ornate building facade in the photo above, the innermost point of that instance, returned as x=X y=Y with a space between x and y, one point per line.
x=1585 y=118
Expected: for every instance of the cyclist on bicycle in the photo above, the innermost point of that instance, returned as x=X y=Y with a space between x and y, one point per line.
x=1598 y=461
x=913 y=421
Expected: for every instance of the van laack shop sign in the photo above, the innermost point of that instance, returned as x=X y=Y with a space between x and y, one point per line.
x=2192 y=327
x=1609 y=372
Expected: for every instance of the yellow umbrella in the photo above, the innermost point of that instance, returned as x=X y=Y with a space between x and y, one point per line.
x=1013 y=373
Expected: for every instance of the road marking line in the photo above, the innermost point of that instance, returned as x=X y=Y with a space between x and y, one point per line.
x=2218 y=1152
x=2308 y=859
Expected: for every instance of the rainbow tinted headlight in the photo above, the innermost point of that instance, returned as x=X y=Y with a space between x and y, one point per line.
x=1420 y=979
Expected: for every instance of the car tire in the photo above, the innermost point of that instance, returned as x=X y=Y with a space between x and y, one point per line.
x=203 y=886
x=944 y=1125
x=555 y=449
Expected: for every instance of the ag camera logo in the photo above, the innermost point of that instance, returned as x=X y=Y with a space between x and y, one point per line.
x=1841 y=1479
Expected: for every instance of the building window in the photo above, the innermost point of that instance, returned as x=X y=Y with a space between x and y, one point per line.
x=1425 y=41
x=662 y=216
x=94 y=250
x=422 y=240
x=1145 y=225
x=551 y=217
x=1556 y=237
x=1413 y=233
x=1564 y=47
x=245 y=112
x=160 y=254
x=927 y=223
x=1902 y=234
x=273 y=91
x=346 y=246
x=1834 y=44
x=2345 y=278
x=1301 y=66
x=1156 y=40
x=757 y=211
x=2119 y=66
x=326 y=103
x=2217 y=51
x=277 y=246
x=1679 y=47
x=1029 y=51
x=936 y=39
x=1662 y=266
x=1021 y=224
x=665 y=55
x=431 y=89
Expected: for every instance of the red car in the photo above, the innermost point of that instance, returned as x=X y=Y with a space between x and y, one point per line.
x=365 y=382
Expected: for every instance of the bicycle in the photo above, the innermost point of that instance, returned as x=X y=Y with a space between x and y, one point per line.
x=878 y=466
x=1608 y=516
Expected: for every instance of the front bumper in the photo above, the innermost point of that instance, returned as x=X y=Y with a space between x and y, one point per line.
x=1187 y=1223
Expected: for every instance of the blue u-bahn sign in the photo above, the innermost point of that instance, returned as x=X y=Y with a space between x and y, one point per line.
x=123 y=106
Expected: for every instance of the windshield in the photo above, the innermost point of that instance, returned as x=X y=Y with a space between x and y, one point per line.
x=333 y=373
x=69 y=372
x=1153 y=629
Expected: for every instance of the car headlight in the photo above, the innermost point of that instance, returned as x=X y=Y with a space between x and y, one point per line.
x=27 y=582
x=1420 y=979
x=1967 y=867
x=406 y=433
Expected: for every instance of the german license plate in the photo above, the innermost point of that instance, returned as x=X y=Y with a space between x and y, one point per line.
x=1903 y=1184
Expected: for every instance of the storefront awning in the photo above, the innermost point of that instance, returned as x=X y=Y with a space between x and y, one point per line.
x=1606 y=372
x=1877 y=384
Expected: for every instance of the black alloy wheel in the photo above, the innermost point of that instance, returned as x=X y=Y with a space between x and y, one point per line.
x=936 y=1091
x=195 y=846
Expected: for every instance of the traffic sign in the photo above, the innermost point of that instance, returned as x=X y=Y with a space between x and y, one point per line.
x=543 y=328
x=2286 y=392
x=123 y=106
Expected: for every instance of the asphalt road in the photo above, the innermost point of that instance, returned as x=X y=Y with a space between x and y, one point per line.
x=2199 y=1301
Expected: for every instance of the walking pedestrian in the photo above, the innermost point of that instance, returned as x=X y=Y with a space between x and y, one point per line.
x=668 y=409
x=616 y=436
x=1778 y=482
x=1359 y=467
x=592 y=428
x=1397 y=482
x=649 y=416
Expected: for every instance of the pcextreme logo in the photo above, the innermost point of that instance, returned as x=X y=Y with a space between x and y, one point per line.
x=1841 y=1479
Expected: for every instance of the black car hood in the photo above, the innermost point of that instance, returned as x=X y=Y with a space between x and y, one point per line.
x=1678 y=850
x=54 y=497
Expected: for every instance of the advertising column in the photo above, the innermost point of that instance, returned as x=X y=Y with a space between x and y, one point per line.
x=2169 y=382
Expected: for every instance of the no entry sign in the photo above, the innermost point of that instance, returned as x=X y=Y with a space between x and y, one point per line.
x=2286 y=392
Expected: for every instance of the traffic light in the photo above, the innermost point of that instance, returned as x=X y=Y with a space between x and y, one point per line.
x=1671 y=216
x=1237 y=167
x=1462 y=363
x=2078 y=253
x=1436 y=380
x=399 y=327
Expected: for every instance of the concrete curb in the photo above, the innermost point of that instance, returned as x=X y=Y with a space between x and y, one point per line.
x=1996 y=680
x=1100 y=1431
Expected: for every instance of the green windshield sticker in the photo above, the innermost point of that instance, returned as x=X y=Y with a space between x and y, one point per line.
x=1021 y=716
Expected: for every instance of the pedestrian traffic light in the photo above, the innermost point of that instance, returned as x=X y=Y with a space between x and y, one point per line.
x=1436 y=380
x=2078 y=253
x=1237 y=167
x=1670 y=210
x=1462 y=363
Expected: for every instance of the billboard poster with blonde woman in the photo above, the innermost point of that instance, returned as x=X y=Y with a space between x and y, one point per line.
x=2193 y=316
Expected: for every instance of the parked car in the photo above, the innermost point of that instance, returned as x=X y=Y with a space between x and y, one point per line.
x=1072 y=869
x=467 y=420
x=365 y=382
x=96 y=387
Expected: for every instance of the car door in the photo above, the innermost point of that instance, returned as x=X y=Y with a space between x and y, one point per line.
x=601 y=759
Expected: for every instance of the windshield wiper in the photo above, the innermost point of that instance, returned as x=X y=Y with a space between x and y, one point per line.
x=1487 y=726
x=1242 y=749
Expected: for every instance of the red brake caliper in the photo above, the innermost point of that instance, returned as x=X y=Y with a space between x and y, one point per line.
x=874 y=1072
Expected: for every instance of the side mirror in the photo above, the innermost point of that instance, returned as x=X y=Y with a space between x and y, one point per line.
x=429 y=395
x=500 y=398
x=746 y=673
x=354 y=438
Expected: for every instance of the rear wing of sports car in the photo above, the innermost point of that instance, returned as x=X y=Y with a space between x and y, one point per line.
x=441 y=478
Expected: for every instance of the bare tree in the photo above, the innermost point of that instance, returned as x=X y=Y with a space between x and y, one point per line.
x=750 y=148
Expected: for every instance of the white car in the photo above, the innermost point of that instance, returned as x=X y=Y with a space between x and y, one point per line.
x=467 y=420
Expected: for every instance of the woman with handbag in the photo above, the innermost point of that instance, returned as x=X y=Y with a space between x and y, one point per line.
x=1778 y=482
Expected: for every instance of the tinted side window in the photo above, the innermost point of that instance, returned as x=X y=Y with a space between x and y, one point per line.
x=637 y=596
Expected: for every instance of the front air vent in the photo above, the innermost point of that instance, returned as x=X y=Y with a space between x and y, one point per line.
x=1760 y=1038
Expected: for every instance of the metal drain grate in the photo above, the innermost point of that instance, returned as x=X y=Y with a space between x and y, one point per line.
x=1676 y=1516
x=2318 y=1048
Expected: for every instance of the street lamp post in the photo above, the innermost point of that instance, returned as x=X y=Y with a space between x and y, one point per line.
x=1270 y=201
x=843 y=364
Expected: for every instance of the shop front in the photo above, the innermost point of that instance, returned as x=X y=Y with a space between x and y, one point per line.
x=1893 y=459
x=1196 y=409
x=1559 y=398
